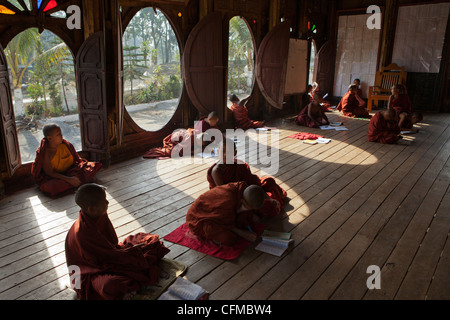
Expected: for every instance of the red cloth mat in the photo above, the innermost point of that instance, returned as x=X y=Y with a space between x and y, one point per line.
x=183 y=236
x=305 y=136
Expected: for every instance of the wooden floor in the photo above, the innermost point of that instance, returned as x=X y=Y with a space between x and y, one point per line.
x=353 y=204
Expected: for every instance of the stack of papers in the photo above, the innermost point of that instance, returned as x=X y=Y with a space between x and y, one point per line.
x=183 y=289
x=330 y=127
x=323 y=140
x=274 y=243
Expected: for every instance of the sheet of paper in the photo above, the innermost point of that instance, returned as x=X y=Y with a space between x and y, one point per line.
x=327 y=127
x=340 y=128
x=323 y=140
x=271 y=249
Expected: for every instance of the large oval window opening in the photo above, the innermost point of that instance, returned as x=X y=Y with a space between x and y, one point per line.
x=152 y=72
x=42 y=77
x=241 y=59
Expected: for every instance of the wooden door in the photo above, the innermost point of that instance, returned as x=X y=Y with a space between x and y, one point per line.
x=203 y=65
x=271 y=64
x=90 y=69
x=324 y=70
x=8 y=122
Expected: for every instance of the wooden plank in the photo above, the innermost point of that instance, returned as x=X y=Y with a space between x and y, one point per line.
x=375 y=204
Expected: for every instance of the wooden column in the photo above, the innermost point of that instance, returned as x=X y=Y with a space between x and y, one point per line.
x=205 y=7
x=388 y=32
x=274 y=13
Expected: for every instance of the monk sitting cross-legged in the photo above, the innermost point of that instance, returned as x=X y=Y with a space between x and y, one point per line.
x=240 y=114
x=58 y=168
x=224 y=172
x=383 y=128
x=225 y=213
x=350 y=105
x=401 y=103
x=107 y=269
x=312 y=116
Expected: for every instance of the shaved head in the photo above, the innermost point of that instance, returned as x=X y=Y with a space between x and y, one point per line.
x=49 y=129
x=90 y=195
x=254 y=196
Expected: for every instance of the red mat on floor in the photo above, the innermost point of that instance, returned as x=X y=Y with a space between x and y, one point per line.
x=305 y=136
x=184 y=237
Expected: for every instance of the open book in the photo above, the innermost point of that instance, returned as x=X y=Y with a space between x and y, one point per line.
x=183 y=289
x=274 y=243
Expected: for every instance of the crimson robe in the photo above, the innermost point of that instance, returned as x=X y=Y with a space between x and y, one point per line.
x=383 y=131
x=184 y=138
x=109 y=269
x=241 y=119
x=349 y=105
x=213 y=214
x=304 y=120
x=82 y=169
x=240 y=171
x=401 y=104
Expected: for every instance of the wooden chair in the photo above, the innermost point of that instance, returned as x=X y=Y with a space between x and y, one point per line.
x=384 y=80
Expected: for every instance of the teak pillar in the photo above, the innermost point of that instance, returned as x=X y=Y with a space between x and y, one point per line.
x=388 y=33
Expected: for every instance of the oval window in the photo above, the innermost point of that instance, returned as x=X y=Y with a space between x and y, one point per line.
x=152 y=70
x=44 y=89
x=241 y=59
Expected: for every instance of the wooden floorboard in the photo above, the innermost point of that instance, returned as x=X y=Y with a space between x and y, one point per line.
x=352 y=204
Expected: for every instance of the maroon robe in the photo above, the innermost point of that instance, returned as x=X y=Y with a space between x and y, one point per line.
x=82 y=169
x=109 y=269
x=383 y=131
x=184 y=138
x=303 y=119
x=213 y=214
x=349 y=105
x=241 y=119
x=240 y=171
x=401 y=104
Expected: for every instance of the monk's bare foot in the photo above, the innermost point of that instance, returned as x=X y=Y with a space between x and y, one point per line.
x=129 y=295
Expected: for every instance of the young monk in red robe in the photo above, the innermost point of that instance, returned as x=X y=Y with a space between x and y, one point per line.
x=224 y=172
x=401 y=103
x=58 y=169
x=226 y=213
x=108 y=270
x=312 y=116
x=383 y=128
x=184 y=138
x=240 y=114
x=359 y=94
x=350 y=105
x=318 y=97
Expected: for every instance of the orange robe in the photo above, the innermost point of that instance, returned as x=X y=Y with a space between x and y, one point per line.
x=349 y=105
x=81 y=168
x=241 y=119
x=109 y=269
x=213 y=215
x=383 y=131
x=240 y=171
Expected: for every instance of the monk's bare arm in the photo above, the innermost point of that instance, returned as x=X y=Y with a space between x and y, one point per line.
x=48 y=169
x=244 y=102
x=247 y=235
